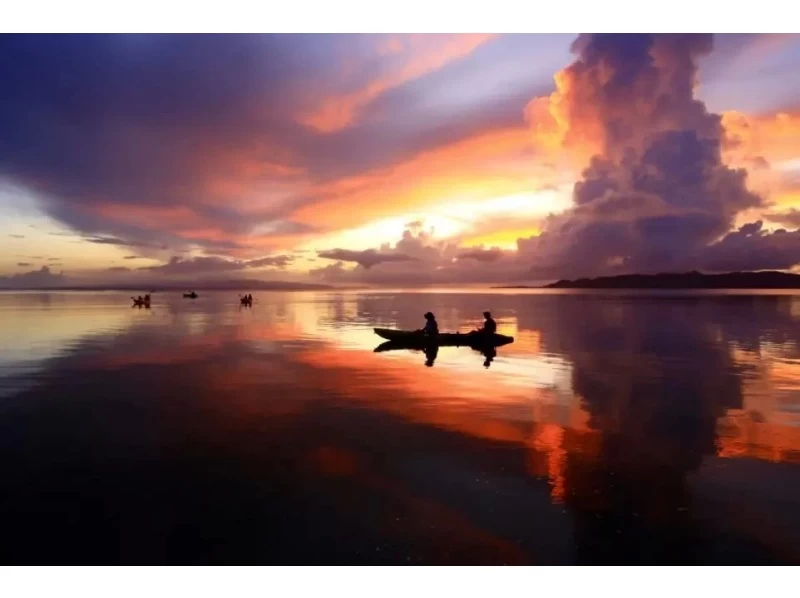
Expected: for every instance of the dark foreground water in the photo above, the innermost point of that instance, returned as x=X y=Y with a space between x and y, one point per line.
x=618 y=428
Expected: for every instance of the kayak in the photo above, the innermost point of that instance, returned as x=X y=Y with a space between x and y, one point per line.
x=190 y=295
x=138 y=303
x=413 y=338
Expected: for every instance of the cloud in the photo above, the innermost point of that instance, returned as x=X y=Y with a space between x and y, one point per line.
x=118 y=269
x=147 y=149
x=789 y=217
x=420 y=259
x=366 y=258
x=178 y=266
x=17 y=236
x=24 y=264
x=132 y=257
x=275 y=261
x=412 y=55
x=119 y=241
x=41 y=278
x=751 y=248
x=481 y=255
x=656 y=194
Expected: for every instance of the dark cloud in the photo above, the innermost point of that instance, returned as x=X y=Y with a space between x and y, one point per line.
x=366 y=258
x=24 y=264
x=132 y=257
x=126 y=242
x=276 y=261
x=419 y=259
x=751 y=248
x=17 y=236
x=41 y=278
x=215 y=265
x=482 y=255
x=118 y=269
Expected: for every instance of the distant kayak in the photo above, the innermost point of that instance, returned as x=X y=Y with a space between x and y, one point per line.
x=140 y=302
x=413 y=338
x=190 y=295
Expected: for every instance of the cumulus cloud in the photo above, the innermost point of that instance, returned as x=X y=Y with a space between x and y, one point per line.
x=751 y=248
x=418 y=258
x=366 y=258
x=656 y=194
x=36 y=279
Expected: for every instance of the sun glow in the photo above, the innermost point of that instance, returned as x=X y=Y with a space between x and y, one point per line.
x=498 y=221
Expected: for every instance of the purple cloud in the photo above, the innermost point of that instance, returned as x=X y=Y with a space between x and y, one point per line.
x=366 y=258
x=657 y=195
x=36 y=279
x=214 y=265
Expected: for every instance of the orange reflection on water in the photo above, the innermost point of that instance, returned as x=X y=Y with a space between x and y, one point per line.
x=464 y=402
x=768 y=424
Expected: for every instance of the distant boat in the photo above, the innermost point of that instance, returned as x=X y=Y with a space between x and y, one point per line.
x=246 y=301
x=191 y=295
x=140 y=302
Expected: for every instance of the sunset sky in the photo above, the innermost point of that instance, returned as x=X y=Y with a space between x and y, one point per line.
x=396 y=159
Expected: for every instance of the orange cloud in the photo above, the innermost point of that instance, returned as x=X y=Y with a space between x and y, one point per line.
x=768 y=146
x=471 y=168
x=555 y=126
x=419 y=53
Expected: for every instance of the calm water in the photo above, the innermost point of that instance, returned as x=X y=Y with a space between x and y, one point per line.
x=617 y=428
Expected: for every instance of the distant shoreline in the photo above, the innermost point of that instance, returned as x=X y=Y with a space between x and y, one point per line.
x=677 y=281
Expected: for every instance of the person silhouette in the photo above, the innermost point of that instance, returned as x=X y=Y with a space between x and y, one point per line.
x=489 y=354
x=431 y=327
x=431 y=352
x=489 y=325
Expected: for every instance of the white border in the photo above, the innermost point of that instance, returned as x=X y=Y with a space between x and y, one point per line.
x=320 y=16
x=391 y=582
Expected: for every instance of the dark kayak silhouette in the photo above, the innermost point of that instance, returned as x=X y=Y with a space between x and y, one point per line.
x=410 y=339
x=191 y=295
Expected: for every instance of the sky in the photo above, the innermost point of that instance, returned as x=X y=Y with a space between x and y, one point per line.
x=397 y=160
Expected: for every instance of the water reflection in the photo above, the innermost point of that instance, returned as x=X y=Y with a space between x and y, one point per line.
x=616 y=428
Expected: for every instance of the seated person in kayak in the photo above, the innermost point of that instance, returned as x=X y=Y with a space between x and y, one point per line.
x=431 y=327
x=489 y=325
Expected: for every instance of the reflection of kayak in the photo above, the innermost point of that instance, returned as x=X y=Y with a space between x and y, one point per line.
x=411 y=338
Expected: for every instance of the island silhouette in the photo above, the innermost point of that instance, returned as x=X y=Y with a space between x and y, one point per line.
x=675 y=280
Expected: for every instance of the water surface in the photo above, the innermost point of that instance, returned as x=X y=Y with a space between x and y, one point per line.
x=619 y=427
